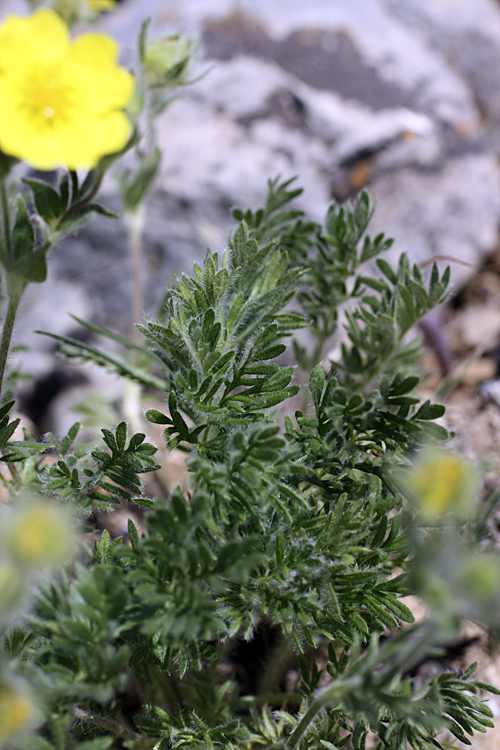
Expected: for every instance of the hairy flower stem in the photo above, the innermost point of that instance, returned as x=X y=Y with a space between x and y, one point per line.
x=132 y=390
x=135 y=224
x=104 y=723
x=8 y=327
x=14 y=297
x=304 y=723
x=4 y=198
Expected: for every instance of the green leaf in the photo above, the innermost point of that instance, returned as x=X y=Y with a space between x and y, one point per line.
x=143 y=35
x=404 y=386
x=317 y=380
x=399 y=609
x=430 y=411
x=23 y=236
x=32 y=268
x=48 y=202
x=387 y=270
x=134 y=536
x=435 y=431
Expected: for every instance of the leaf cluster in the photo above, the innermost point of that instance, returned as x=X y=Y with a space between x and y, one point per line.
x=298 y=530
x=101 y=477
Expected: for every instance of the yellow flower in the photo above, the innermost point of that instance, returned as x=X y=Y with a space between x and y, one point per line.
x=40 y=534
x=98 y=6
x=16 y=711
x=442 y=482
x=61 y=101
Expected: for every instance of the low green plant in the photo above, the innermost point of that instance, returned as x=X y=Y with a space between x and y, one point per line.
x=262 y=604
x=297 y=527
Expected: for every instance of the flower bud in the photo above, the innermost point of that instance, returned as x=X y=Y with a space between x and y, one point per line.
x=16 y=711
x=40 y=534
x=166 y=61
x=441 y=482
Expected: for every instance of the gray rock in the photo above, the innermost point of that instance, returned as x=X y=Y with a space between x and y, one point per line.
x=453 y=212
x=468 y=32
x=381 y=49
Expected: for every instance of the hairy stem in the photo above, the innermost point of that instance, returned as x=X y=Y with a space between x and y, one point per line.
x=8 y=327
x=4 y=198
x=303 y=724
x=16 y=477
x=104 y=723
x=135 y=224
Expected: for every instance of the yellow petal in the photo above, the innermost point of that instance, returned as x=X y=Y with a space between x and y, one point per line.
x=42 y=36
x=95 y=50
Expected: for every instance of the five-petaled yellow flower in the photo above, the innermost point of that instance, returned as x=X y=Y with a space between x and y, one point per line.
x=61 y=102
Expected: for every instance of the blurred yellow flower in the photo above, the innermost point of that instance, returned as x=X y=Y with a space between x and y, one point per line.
x=16 y=711
x=98 y=6
x=61 y=101
x=40 y=534
x=441 y=482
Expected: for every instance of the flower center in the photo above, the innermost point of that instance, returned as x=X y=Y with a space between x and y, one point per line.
x=46 y=98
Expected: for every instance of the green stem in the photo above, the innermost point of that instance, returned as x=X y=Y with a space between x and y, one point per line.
x=363 y=386
x=108 y=724
x=135 y=223
x=16 y=477
x=8 y=328
x=5 y=216
x=133 y=390
x=303 y=724
x=14 y=292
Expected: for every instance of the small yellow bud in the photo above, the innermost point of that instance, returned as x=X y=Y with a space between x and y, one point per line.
x=41 y=534
x=16 y=711
x=441 y=482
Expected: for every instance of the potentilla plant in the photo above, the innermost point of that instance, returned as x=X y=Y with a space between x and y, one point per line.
x=261 y=606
